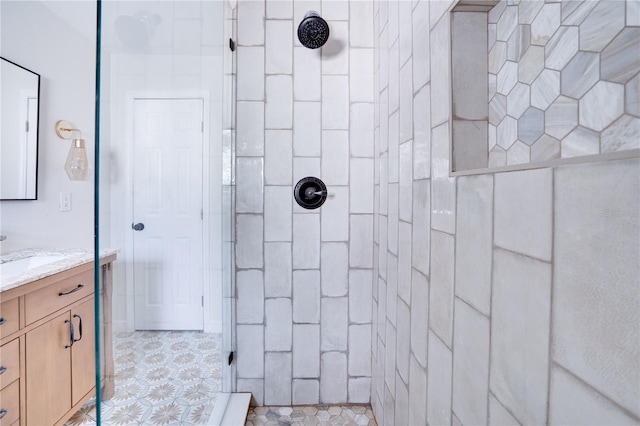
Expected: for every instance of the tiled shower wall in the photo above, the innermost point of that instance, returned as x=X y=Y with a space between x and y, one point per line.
x=304 y=276
x=500 y=298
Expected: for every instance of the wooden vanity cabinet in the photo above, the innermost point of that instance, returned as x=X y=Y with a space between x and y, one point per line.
x=50 y=369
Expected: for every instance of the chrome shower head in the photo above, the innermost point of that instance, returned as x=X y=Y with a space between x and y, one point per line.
x=313 y=31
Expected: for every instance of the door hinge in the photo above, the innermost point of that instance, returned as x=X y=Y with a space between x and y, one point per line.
x=202 y=301
x=201 y=214
x=230 y=358
x=202 y=126
x=232 y=45
x=26 y=126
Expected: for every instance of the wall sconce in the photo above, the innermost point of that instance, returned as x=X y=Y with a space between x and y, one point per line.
x=77 y=164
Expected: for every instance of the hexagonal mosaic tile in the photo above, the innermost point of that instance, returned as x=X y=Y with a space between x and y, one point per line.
x=564 y=80
x=347 y=415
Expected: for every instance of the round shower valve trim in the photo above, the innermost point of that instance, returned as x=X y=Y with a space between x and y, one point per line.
x=310 y=193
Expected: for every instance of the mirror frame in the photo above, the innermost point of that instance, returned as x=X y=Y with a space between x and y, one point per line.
x=37 y=130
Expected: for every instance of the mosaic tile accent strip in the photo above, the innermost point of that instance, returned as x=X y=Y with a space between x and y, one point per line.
x=556 y=57
x=347 y=415
x=162 y=377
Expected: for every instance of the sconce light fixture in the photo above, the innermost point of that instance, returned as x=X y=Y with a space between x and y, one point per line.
x=77 y=164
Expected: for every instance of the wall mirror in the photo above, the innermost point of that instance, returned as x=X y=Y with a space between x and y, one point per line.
x=19 y=93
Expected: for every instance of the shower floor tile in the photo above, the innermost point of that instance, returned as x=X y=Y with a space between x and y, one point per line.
x=347 y=415
x=162 y=378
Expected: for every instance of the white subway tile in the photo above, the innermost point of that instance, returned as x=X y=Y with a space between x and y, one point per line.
x=306 y=241
x=498 y=415
x=333 y=328
x=421 y=226
x=440 y=71
x=335 y=52
x=250 y=133
x=360 y=295
x=421 y=45
x=306 y=351
x=335 y=214
x=390 y=358
x=335 y=10
x=361 y=185
x=394 y=147
x=520 y=355
x=250 y=301
x=405 y=175
x=393 y=19
x=403 y=340
x=401 y=409
x=334 y=269
x=394 y=78
x=441 y=294
x=405 y=36
x=404 y=262
x=277 y=270
x=279 y=324
x=249 y=180
x=306 y=296
x=360 y=19
x=250 y=343
x=361 y=138
x=419 y=316
x=250 y=23
x=474 y=238
x=279 y=47
x=333 y=379
x=417 y=393
x=523 y=219
x=406 y=103
x=249 y=241
x=359 y=390
x=438 y=382
x=278 y=157
x=470 y=365
x=307 y=73
x=361 y=241
x=335 y=102
x=392 y=230
x=277 y=378
x=277 y=213
x=392 y=288
x=335 y=157
x=306 y=129
x=279 y=102
x=250 y=75
x=306 y=392
x=361 y=75
x=279 y=9
x=360 y=350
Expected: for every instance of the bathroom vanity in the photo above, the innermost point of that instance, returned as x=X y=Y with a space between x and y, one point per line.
x=47 y=335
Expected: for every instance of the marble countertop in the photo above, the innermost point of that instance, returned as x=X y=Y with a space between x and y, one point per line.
x=71 y=259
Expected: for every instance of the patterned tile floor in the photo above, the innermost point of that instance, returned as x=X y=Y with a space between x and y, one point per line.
x=346 y=415
x=162 y=378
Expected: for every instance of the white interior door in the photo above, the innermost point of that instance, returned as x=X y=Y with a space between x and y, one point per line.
x=167 y=201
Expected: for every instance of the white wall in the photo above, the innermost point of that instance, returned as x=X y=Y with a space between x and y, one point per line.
x=40 y=40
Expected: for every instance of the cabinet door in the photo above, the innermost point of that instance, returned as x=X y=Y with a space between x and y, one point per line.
x=48 y=371
x=83 y=353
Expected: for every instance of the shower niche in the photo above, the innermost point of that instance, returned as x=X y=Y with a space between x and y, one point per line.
x=536 y=84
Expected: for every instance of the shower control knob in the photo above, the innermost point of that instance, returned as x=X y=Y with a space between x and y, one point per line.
x=137 y=226
x=310 y=193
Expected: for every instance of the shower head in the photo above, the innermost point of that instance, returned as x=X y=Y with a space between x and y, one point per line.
x=313 y=31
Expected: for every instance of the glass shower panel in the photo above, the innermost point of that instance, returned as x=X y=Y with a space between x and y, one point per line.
x=165 y=197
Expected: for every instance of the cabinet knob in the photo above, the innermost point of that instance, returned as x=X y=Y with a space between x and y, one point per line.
x=138 y=227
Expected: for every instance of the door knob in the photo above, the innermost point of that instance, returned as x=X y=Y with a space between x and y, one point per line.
x=137 y=226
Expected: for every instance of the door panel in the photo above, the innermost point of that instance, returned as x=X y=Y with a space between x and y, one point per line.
x=83 y=353
x=48 y=400
x=167 y=199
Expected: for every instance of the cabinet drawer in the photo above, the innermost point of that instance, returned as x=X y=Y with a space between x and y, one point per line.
x=45 y=301
x=10 y=404
x=9 y=362
x=9 y=317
